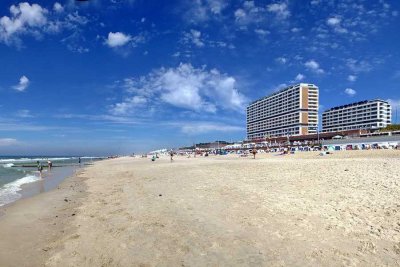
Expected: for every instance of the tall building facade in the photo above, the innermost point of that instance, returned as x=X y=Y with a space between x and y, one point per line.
x=290 y=111
x=367 y=115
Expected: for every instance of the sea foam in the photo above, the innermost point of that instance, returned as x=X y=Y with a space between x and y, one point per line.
x=8 y=165
x=9 y=192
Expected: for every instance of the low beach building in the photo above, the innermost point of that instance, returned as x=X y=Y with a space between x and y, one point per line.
x=289 y=112
x=367 y=115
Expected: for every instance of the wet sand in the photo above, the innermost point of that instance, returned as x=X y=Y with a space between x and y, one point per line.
x=298 y=210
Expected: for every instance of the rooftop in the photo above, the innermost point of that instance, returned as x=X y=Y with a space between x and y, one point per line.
x=355 y=104
x=284 y=89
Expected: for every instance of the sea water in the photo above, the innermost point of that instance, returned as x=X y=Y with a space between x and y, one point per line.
x=12 y=178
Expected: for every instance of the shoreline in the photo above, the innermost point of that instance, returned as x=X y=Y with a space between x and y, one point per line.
x=37 y=219
x=48 y=181
x=300 y=209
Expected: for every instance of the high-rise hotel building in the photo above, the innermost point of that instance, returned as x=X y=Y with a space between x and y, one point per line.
x=290 y=111
x=366 y=115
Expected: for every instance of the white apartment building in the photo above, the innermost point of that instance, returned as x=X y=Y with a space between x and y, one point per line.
x=366 y=115
x=290 y=111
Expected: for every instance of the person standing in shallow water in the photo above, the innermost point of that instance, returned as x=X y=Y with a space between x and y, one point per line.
x=40 y=168
x=79 y=161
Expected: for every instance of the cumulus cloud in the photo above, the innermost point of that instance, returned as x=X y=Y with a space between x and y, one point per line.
x=8 y=141
x=57 y=7
x=352 y=78
x=358 y=65
x=281 y=60
x=350 y=92
x=216 y=6
x=314 y=66
x=194 y=37
x=280 y=9
x=333 y=21
x=249 y=13
x=117 y=39
x=34 y=20
x=184 y=87
x=25 y=18
x=203 y=10
x=299 y=77
x=23 y=84
x=261 y=32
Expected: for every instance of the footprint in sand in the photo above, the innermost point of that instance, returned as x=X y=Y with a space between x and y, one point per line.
x=367 y=247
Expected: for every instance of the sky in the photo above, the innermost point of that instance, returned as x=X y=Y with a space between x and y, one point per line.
x=117 y=77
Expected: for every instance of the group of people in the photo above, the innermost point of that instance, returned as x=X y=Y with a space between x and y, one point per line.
x=171 y=154
x=40 y=166
x=50 y=165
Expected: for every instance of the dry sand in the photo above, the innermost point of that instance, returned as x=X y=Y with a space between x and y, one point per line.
x=297 y=210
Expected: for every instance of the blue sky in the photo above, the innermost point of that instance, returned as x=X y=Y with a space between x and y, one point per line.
x=116 y=76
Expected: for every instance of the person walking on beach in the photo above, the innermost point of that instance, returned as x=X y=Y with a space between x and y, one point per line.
x=171 y=153
x=79 y=161
x=49 y=164
x=254 y=151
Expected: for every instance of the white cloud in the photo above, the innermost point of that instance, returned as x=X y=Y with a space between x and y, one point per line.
x=249 y=13
x=24 y=113
x=295 y=29
x=358 y=65
x=352 y=78
x=57 y=7
x=216 y=6
x=350 y=92
x=314 y=66
x=299 y=77
x=279 y=87
x=240 y=14
x=23 y=84
x=117 y=39
x=281 y=60
x=261 y=32
x=129 y=105
x=8 y=141
x=24 y=19
x=187 y=88
x=194 y=37
x=197 y=11
x=333 y=21
x=34 y=20
x=205 y=127
x=280 y=9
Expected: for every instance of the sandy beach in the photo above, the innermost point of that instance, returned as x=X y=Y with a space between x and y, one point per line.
x=298 y=210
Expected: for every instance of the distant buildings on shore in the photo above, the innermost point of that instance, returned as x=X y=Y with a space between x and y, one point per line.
x=368 y=115
x=293 y=111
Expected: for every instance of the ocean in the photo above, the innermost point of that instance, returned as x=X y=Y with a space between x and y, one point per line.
x=18 y=172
